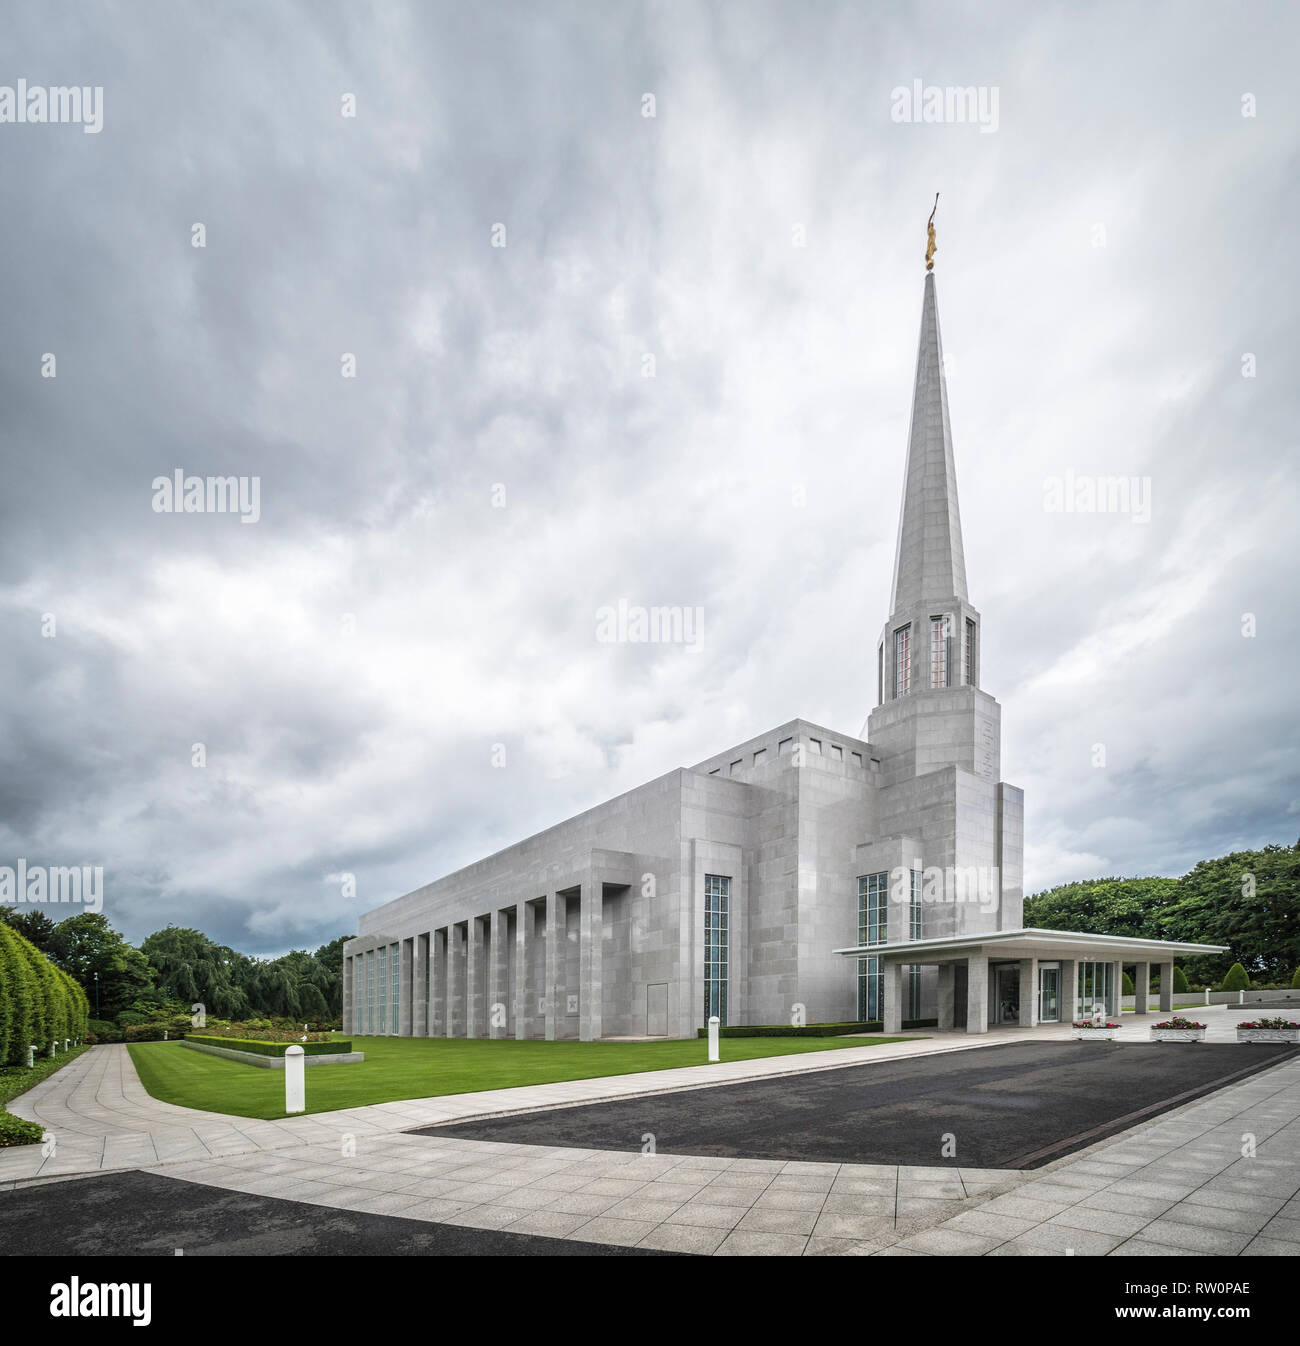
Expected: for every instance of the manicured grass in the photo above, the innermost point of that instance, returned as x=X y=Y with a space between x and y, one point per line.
x=397 y=1068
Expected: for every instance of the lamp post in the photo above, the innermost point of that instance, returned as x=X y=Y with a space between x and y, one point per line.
x=96 y=995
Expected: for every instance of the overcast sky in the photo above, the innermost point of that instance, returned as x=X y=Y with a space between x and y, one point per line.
x=500 y=467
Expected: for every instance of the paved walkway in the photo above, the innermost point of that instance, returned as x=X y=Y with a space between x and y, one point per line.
x=1181 y=1184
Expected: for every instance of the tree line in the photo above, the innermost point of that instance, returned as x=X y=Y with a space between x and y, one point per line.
x=176 y=968
x=1249 y=900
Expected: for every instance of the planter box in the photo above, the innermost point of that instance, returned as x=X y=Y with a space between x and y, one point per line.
x=1178 y=1035
x=1268 y=1035
x=274 y=1062
x=1094 y=1034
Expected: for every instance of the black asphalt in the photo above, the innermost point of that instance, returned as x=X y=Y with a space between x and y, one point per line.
x=1017 y=1106
x=146 y=1215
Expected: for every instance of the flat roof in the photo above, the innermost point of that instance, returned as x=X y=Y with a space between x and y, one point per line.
x=1065 y=939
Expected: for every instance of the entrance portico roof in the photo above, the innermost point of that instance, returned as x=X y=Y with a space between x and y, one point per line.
x=1032 y=943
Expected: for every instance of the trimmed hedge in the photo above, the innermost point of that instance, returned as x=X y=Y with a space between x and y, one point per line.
x=39 y=1002
x=809 y=1030
x=1236 y=980
x=1180 y=982
x=270 y=1048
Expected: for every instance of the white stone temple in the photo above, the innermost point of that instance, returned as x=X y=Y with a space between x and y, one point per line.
x=802 y=876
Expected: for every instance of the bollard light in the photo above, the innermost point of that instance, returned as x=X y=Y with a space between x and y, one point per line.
x=65 y=1043
x=54 y=1047
x=31 y=1056
x=713 y=1037
x=295 y=1080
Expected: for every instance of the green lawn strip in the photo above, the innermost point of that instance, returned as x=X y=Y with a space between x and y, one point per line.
x=15 y=1080
x=398 y=1068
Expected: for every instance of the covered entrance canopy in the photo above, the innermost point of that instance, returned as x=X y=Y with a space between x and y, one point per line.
x=1026 y=977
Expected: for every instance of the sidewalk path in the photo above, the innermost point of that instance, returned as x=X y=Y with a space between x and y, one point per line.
x=1179 y=1184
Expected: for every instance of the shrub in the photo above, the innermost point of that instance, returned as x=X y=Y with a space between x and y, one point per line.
x=129 y=1018
x=151 y=1032
x=1180 y=981
x=1236 y=980
x=1128 y=985
x=103 y=1030
x=16 y=1131
x=1295 y=980
x=809 y=1030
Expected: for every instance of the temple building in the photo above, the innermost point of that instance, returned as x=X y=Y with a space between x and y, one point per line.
x=805 y=875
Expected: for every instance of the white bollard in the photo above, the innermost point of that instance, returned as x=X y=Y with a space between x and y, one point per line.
x=31 y=1056
x=1241 y=997
x=1207 y=995
x=713 y=1037
x=295 y=1080
x=54 y=1047
x=65 y=1043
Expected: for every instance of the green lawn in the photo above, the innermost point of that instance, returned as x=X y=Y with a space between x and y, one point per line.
x=397 y=1068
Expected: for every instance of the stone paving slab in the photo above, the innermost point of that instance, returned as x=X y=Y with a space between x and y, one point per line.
x=1137 y=1195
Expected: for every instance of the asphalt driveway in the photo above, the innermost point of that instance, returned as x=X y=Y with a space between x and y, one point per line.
x=1015 y=1106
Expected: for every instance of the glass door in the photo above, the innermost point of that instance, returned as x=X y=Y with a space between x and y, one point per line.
x=1049 y=995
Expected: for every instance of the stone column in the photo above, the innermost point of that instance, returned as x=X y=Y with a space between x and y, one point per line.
x=473 y=971
x=977 y=993
x=1116 y=1007
x=405 y=988
x=1029 y=993
x=498 y=1010
x=1069 y=990
x=554 y=963
x=455 y=982
x=437 y=983
x=1141 y=987
x=348 y=974
x=891 y=995
x=590 y=955
x=1166 y=987
x=420 y=988
x=947 y=996
x=525 y=915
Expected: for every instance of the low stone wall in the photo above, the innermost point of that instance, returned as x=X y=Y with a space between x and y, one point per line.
x=273 y=1062
x=1287 y=998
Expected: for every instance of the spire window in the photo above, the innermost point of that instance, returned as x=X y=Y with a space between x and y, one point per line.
x=902 y=660
x=938 y=651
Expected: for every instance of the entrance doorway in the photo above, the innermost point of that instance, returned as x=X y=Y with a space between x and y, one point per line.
x=1049 y=994
x=1007 y=1001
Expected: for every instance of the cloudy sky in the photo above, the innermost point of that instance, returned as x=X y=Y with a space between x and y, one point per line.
x=395 y=670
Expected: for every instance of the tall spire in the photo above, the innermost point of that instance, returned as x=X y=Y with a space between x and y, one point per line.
x=929 y=563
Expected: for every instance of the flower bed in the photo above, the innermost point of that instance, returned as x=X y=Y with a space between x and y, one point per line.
x=270 y=1055
x=1178 y=1029
x=320 y=1046
x=1091 y=1030
x=1269 y=1030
